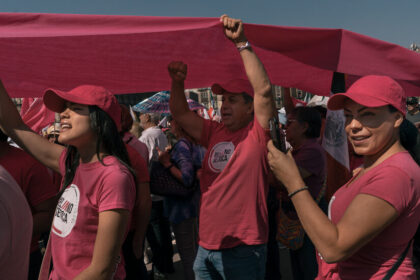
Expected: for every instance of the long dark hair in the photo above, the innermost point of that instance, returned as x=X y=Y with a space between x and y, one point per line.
x=409 y=137
x=108 y=138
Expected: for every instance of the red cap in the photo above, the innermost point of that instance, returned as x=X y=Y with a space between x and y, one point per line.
x=233 y=86
x=87 y=95
x=372 y=91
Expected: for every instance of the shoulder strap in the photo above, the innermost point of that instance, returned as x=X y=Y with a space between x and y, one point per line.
x=398 y=263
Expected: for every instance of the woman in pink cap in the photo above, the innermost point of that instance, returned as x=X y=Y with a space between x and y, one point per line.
x=98 y=190
x=373 y=217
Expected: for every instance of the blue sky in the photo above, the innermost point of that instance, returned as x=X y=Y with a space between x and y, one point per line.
x=395 y=21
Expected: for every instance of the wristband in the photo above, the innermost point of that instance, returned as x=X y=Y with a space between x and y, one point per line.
x=169 y=167
x=296 y=191
x=247 y=45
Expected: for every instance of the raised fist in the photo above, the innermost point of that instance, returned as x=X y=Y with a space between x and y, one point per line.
x=177 y=70
x=233 y=29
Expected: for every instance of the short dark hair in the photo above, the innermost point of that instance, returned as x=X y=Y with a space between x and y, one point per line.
x=312 y=117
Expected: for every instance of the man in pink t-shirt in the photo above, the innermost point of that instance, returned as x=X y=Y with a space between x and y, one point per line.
x=233 y=226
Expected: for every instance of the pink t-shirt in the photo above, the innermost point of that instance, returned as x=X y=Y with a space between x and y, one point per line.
x=15 y=229
x=95 y=188
x=33 y=178
x=234 y=186
x=397 y=181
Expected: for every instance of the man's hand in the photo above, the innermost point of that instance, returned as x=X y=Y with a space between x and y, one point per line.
x=177 y=70
x=233 y=29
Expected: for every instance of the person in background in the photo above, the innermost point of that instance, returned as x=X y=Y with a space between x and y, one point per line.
x=413 y=112
x=129 y=138
x=15 y=229
x=98 y=189
x=40 y=192
x=159 y=232
x=373 y=217
x=133 y=244
x=302 y=132
x=233 y=222
x=183 y=162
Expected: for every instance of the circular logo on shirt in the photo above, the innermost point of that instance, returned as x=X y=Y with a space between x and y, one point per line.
x=220 y=155
x=66 y=212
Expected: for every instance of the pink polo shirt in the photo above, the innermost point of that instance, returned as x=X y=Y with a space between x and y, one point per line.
x=234 y=186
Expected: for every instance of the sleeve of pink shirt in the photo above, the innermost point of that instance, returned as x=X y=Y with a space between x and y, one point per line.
x=262 y=135
x=392 y=185
x=208 y=127
x=117 y=191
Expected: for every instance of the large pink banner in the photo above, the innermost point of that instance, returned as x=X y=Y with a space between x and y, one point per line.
x=129 y=54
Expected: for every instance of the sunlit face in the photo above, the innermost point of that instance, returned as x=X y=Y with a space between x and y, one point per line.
x=235 y=112
x=370 y=130
x=75 y=126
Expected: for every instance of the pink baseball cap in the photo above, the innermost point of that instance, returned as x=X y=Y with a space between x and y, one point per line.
x=87 y=95
x=372 y=91
x=233 y=86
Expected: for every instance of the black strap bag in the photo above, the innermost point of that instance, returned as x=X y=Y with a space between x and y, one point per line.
x=162 y=182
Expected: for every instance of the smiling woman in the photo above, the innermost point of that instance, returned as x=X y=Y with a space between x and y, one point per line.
x=374 y=216
x=97 y=193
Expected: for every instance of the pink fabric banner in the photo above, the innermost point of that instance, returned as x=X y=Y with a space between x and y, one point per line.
x=129 y=54
x=35 y=114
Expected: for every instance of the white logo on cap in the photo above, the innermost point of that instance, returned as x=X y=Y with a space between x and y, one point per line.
x=220 y=155
x=66 y=212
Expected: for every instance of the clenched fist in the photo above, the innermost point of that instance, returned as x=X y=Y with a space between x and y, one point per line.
x=233 y=29
x=177 y=70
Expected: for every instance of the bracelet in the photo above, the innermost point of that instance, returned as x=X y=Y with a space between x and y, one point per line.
x=242 y=47
x=296 y=191
x=169 y=167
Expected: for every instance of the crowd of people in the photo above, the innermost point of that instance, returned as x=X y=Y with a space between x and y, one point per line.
x=77 y=202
